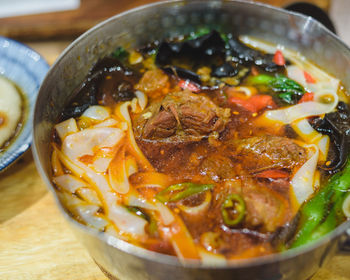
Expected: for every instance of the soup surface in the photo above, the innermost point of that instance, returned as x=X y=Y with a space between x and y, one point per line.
x=206 y=147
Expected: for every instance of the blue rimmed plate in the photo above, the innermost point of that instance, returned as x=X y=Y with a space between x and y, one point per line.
x=27 y=69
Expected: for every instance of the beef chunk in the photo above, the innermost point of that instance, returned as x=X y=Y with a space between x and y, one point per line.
x=242 y=157
x=267 y=152
x=167 y=156
x=183 y=114
x=266 y=209
x=154 y=83
x=162 y=126
x=218 y=167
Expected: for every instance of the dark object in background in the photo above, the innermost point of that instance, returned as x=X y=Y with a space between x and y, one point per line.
x=313 y=11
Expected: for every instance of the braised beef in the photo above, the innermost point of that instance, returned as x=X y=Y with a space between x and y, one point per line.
x=217 y=167
x=267 y=152
x=188 y=116
x=266 y=212
x=153 y=83
x=248 y=156
x=162 y=126
x=266 y=209
x=170 y=157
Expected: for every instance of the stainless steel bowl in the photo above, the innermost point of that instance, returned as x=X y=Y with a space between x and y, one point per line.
x=118 y=259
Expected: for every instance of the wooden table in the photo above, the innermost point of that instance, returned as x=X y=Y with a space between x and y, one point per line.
x=36 y=242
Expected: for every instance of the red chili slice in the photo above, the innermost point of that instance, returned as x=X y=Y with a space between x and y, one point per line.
x=255 y=103
x=308 y=78
x=308 y=96
x=273 y=174
x=278 y=58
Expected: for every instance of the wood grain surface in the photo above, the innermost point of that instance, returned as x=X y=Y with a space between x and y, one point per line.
x=35 y=240
x=67 y=23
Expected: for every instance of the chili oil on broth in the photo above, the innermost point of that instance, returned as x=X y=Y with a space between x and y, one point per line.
x=204 y=148
x=12 y=112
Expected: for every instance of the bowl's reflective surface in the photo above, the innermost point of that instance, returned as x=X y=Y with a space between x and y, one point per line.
x=162 y=20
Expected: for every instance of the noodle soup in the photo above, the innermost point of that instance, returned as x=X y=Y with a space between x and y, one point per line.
x=206 y=147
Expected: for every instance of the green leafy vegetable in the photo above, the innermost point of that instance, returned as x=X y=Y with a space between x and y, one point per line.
x=233 y=210
x=324 y=211
x=287 y=90
x=120 y=53
x=180 y=191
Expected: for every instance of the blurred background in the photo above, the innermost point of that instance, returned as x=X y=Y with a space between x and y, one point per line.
x=49 y=26
x=38 y=19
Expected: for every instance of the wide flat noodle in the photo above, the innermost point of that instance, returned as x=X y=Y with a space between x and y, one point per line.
x=299 y=111
x=303 y=180
x=88 y=142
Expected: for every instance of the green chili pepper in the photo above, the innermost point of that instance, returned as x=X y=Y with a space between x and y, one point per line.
x=152 y=226
x=233 y=210
x=137 y=211
x=261 y=79
x=323 y=212
x=152 y=222
x=287 y=89
x=180 y=191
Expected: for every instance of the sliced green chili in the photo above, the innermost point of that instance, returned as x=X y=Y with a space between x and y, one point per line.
x=233 y=210
x=152 y=226
x=152 y=222
x=137 y=211
x=180 y=191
